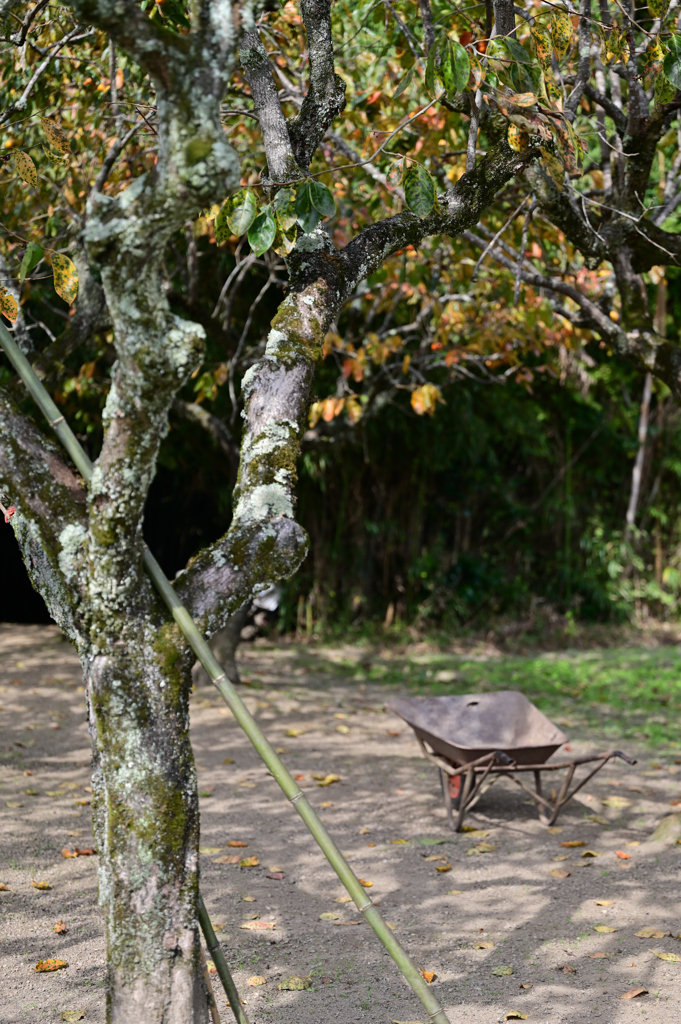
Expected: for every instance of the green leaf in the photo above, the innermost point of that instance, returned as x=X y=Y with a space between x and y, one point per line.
x=672 y=62
x=430 y=70
x=261 y=232
x=322 y=199
x=657 y=7
x=419 y=190
x=32 y=257
x=236 y=215
x=285 y=209
x=517 y=51
x=665 y=91
x=405 y=83
x=308 y=215
x=455 y=67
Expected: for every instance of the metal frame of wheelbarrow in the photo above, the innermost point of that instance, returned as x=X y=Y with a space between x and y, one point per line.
x=489 y=768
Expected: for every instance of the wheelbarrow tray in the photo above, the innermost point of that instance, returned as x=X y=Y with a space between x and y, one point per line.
x=465 y=728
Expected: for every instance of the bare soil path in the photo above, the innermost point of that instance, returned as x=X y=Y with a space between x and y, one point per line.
x=386 y=813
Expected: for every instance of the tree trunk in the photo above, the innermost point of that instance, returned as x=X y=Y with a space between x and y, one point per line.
x=146 y=824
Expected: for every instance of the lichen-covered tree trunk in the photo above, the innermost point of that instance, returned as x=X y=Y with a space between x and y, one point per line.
x=146 y=825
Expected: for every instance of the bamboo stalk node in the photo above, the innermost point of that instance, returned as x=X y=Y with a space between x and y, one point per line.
x=292 y=799
x=59 y=419
x=365 y=907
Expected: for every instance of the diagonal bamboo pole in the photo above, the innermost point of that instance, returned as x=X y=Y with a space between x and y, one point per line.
x=241 y=713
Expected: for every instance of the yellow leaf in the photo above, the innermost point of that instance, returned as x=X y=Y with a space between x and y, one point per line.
x=616 y=801
x=604 y=929
x=561 y=32
x=70 y=1015
x=294 y=733
x=559 y=873
x=44 y=966
x=328 y=915
x=605 y=903
x=235 y=842
x=65 y=277
x=55 y=135
x=41 y=885
x=344 y=729
x=670 y=958
x=249 y=862
x=650 y=933
x=225 y=859
x=8 y=308
x=209 y=849
x=26 y=168
x=424 y=400
x=455 y=892
x=363 y=881
x=444 y=867
x=430 y=976
x=328 y=779
x=343 y=899
x=256 y=980
x=518 y=139
x=249 y=899
x=483 y=945
x=516 y=1015
x=590 y=853
x=294 y=984
x=574 y=843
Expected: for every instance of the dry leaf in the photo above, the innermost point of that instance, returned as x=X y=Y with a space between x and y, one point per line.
x=5 y=888
x=469 y=828
x=504 y=971
x=70 y=1015
x=599 y=956
x=634 y=992
x=210 y=849
x=568 y=969
x=343 y=899
x=604 y=929
x=455 y=892
x=82 y=803
x=363 y=881
x=479 y=848
x=571 y=843
x=327 y=803
x=616 y=801
x=527 y=984
x=44 y=966
x=276 y=876
x=670 y=958
x=328 y=779
x=365 y=831
x=235 y=843
x=328 y=915
x=391 y=926
x=226 y=859
x=563 y=856
x=605 y=903
x=294 y=733
x=56 y=792
x=622 y=855
x=555 y=830
x=228 y=760
x=560 y=873
x=430 y=976
x=433 y=857
x=258 y=926
x=256 y=980
x=55 y=135
x=400 y=842
x=516 y=1015
x=294 y=984
x=65 y=277
x=249 y=862
x=483 y=945
x=444 y=867
x=61 y=929
x=41 y=885
x=344 y=729
x=589 y=853
x=649 y=933
x=390 y=732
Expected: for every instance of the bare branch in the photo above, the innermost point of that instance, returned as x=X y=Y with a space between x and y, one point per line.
x=427 y=22
x=280 y=160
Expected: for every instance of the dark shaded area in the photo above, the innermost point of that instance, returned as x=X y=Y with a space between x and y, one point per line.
x=19 y=602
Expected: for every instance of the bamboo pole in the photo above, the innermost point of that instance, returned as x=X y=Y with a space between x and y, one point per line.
x=241 y=713
x=215 y=950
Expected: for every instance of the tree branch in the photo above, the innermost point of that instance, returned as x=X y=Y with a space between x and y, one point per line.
x=427 y=22
x=325 y=97
x=281 y=163
x=584 y=65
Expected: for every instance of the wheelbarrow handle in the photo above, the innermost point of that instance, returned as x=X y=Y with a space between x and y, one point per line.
x=625 y=757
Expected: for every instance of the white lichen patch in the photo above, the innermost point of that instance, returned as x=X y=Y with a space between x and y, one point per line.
x=274 y=340
x=71 y=538
x=266 y=501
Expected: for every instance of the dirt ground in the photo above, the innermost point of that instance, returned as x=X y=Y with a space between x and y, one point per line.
x=387 y=816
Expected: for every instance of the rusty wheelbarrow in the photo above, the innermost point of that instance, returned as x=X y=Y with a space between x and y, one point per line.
x=478 y=738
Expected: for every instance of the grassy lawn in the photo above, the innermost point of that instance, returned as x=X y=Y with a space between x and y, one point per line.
x=611 y=694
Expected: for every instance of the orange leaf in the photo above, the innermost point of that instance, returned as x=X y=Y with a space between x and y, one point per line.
x=60 y=928
x=622 y=855
x=634 y=992
x=50 y=965
x=236 y=842
x=430 y=976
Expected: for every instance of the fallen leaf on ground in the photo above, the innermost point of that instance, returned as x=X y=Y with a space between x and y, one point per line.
x=210 y=967
x=41 y=885
x=328 y=915
x=478 y=833
x=527 y=984
x=276 y=876
x=372 y=844
x=560 y=873
x=391 y=926
x=605 y=903
x=589 y=853
x=343 y=729
x=598 y=819
x=516 y=1015
x=280 y=750
x=44 y=966
x=563 y=856
x=433 y=842
x=504 y=971
x=61 y=929
x=479 y=848
x=568 y=969
x=4 y=888
x=294 y=733
x=400 y=842
x=256 y=980
x=55 y=792
x=327 y=780
x=343 y=899
x=599 y=956
x=650 y=933
x=294 y=984
x=604 y=929
x=228 y=760
x=365 y=831
x=430 y=976
x=210 y=849
x=226 y=859
x=31 y=792
x=299 y=778
x=483 y=945
x=444 y=867
x=393 y=1021
x=13 y=803
x=454 y=892
x=634 y=992
x=70 y=1015
x=555 y=830
x=258 y=926
x=249 y=862
x=634 y=842
x=327 y=803
x=392 y=732
x=235 y=843
x=670 y=958
x=616 y=801
x=433 y=857
x=249 y=899
x=574 y=843
x=622 y=855
x=363 y=881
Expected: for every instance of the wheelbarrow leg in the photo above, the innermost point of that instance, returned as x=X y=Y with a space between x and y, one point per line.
x=467 y=786
x=444 y=779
